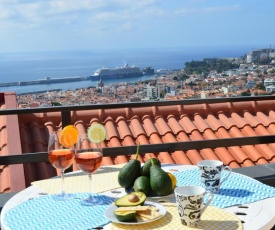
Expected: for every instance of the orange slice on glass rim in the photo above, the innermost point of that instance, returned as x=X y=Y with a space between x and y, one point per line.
x=97 y=133
x=68 y=136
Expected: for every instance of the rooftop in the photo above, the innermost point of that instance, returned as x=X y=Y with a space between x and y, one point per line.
x=147 y=123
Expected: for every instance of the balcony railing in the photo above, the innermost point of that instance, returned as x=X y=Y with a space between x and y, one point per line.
x=65 y=113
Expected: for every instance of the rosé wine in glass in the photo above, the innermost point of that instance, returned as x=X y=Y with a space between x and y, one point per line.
x=88 y=159
x=61 y=158
x=88 y=162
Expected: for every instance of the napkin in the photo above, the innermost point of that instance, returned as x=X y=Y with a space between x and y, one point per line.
x=237 y=189
x=45 y=213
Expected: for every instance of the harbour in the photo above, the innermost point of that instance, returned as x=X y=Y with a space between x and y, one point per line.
x=123 y=72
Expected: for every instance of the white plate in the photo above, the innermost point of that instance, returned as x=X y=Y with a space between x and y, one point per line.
x=109 y=213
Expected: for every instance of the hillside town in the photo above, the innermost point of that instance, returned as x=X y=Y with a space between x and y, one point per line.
x=253 y=74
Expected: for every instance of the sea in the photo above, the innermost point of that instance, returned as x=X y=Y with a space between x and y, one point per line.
x=27 y=66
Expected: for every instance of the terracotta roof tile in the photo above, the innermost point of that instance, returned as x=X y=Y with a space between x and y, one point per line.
x=4 y=170
x=227 y=122
x=238 y=119
x=112 y=132
x=252 y=120
x=162 y=126
x=149 y=126
x=200 y=123
x=213 y=122
x=187 y=124
x=264 y=119
x=174 y=125
x=136 y=127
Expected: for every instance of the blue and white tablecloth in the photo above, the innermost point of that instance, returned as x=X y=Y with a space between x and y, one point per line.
x=237 y=189
x=45 y=213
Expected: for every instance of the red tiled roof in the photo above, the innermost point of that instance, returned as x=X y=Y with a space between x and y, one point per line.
x=152 y=125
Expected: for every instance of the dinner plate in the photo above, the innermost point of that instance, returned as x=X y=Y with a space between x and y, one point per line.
x=109 y=213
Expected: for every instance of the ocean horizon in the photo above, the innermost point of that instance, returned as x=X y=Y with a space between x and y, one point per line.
x=16 y=67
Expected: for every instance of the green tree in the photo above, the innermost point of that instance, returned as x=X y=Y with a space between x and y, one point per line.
x=207 y=65
x=246 y=93
x=54 y=103
x=260 y=86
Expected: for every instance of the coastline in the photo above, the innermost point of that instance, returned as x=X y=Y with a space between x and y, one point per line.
x=31 y=66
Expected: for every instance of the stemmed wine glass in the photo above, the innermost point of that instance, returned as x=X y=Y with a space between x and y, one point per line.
x=88 y=159
x=61 y=158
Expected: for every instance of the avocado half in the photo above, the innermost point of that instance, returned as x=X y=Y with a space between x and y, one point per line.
x=125 y=216
x=131 y=199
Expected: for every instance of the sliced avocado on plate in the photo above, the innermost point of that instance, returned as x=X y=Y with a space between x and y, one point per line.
x=131 y=199
x=125 y=216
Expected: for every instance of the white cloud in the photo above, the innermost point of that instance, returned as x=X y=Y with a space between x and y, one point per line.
x=5 y=13
x=62 y=6
x=127 y=26
x=35 y=14
x=8 y=1
x=108 y=16
x=213 y=9
x=221 y=8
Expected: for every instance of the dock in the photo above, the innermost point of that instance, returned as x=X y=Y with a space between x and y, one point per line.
x=46 y=80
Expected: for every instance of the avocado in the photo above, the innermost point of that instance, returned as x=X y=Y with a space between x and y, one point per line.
x=125 y=216
x=142 y=184
x=145 y=169
x=160 y=182
x=129 y=172
x=131 y=199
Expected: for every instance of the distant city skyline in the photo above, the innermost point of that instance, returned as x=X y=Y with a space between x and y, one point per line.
x=51 y=25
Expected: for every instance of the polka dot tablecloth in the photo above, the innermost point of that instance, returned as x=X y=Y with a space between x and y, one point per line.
x=213 y=218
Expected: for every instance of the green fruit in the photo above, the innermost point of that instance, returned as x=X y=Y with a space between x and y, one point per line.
x=131 y=199
x=129 y=172
x=160 y=182
x=125 y=216
x=142 y=184
x=145 y=169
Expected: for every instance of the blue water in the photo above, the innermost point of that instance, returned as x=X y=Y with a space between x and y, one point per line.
x=16 y=67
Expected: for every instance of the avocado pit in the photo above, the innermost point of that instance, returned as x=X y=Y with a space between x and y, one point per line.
x=133 y=198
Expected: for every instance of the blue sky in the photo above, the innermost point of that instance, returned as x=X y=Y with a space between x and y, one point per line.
x=32 y=25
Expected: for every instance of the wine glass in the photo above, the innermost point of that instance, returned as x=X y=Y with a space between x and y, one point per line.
x=88 y=158
x=61 y=158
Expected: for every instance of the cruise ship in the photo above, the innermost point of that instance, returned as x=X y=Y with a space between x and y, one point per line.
x=119 y=72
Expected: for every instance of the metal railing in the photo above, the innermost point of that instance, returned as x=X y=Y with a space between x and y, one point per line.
x=65 y=113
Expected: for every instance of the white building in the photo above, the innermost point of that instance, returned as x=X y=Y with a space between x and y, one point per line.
x=204 y=94
x=270 y=88
x=269 y=81
x=269 y=84
x=151 y=92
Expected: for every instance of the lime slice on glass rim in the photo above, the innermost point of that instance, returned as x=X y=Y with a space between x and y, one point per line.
x=96 y=133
